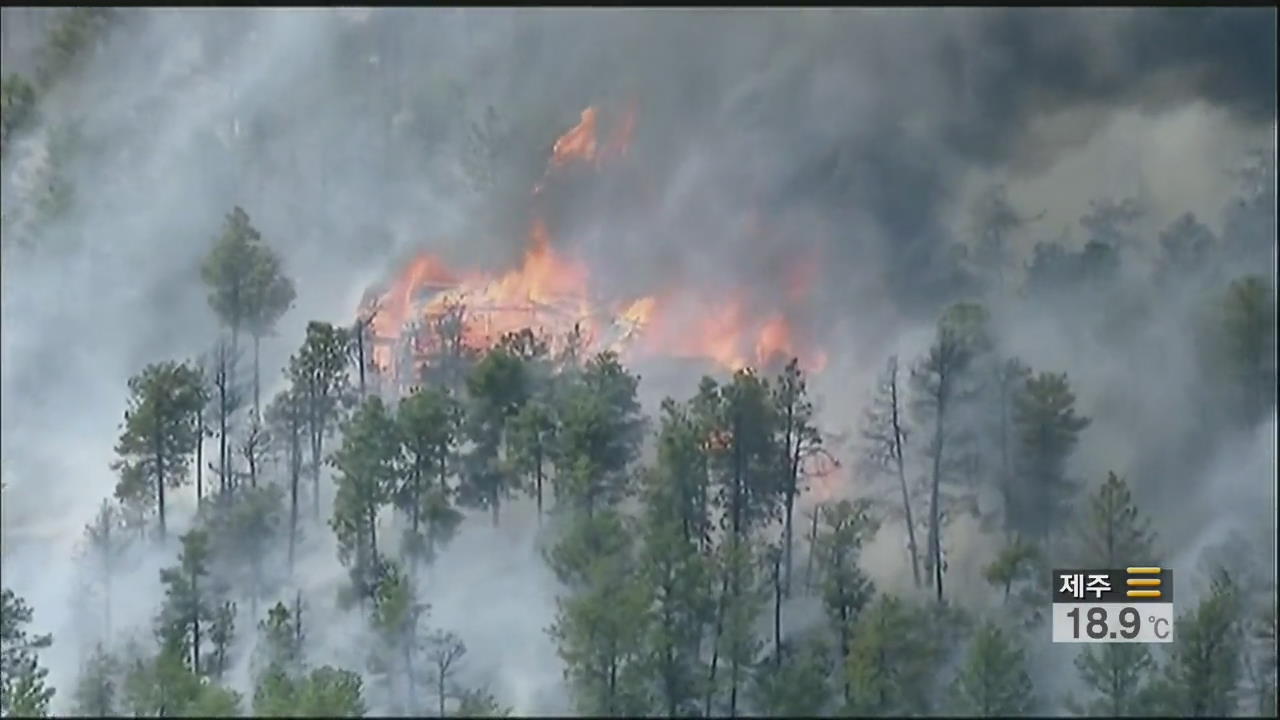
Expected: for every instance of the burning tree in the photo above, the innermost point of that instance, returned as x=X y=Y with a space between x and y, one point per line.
x=437 y=319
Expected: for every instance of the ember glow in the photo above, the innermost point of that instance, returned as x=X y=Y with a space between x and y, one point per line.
x=553 y=294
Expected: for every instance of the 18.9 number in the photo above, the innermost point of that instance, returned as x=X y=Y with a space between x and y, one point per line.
x=1096 y=622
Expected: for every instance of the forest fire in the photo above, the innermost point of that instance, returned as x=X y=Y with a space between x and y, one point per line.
x=553 y=294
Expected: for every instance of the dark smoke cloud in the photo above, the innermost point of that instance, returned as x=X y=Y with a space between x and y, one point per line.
x=1011 y=66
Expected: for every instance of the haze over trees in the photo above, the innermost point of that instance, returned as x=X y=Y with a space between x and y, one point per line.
x=863 y=536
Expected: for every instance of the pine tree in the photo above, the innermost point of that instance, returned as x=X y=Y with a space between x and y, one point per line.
x=318 y=373
x=797 y=686
x=106 y=543
x=498 y=387
x=531 y=438
x=846 y=590
x=942 y=383
x=800 y=440
x=1203 y=674
x=214 y=701
x=159 y=434
x=681 y=477
x=163 y=685
x=325 y=691
x=281 y=638
x=1116 y=676
x=749 y=491
x=1115 y=534
x=332 y=692
x=243 y=534
x=598 y=627
x=396 y=618
x=97 y=693
x=428 y=434
x=1017 y=561
x=742 y=604
x=228 y=272
x=23 y=691
x=444 y=651
x=1048 y=430
x=269 y=293
x=367 y=468
x=675 y=576
x=1010 y=377
x=227 y=399
x=255 y=448
x=287 y=416
x=1244 y=346
x=160 y=685
x=598 y=436
x=993 y=681
x=222 y=629
x=891 y=660
x=188 y=606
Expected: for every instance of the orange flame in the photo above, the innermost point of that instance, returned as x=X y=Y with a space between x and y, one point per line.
x=686 y=326
x=577 y=144
x=580 y=143
x=394 y=308
x=552 y=293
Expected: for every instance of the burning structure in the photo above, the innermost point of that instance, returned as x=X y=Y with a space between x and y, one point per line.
x=432 y=310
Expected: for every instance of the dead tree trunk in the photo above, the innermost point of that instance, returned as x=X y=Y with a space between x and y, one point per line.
x=159 y=461
x=199 y=457
x=361 y=327
x=813 y=541
x=777 y=613
x=257 y=342
x=295 y=473
x=898 y=457
x=715 y=645
x=935 y=511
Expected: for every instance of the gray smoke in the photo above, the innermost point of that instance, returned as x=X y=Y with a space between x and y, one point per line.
x=858 y=137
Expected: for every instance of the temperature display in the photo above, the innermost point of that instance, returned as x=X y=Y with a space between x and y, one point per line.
x=1113 y=622
x=1133 y=604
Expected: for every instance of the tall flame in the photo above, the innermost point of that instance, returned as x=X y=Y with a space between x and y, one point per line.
x=552 y=292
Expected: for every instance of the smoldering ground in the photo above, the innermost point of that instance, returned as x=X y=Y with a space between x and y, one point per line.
x=859 y=136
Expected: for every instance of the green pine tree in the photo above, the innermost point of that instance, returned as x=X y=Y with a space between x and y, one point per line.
x=367 y=465
x=319 y=375
x=1115 y=534
x=845 y=588
x=892 y=660
x=98 y=692
x=993 y=681
x=1203 y=674
x=159 y=434
x=1048 y=430
x=23 y=691
x=183 y=623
